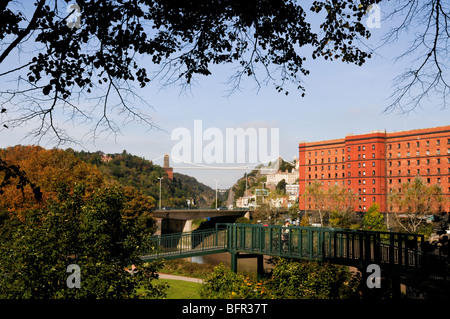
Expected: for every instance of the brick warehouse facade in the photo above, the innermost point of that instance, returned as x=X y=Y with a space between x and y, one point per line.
x=372 y=164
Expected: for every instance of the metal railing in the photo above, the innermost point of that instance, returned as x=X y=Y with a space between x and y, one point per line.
x=179 y=245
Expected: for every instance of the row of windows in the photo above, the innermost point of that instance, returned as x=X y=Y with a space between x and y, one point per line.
x=427 y=161
x=408 y=144
x=342 y=150
x=428 y=179
x=336 y=167
x=360 y=207
x=428 y=153
x=417 y=172
x=400 y=190
x=360 y=156
x=363 y=173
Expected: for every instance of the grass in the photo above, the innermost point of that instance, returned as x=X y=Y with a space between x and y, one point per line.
x=182 y=289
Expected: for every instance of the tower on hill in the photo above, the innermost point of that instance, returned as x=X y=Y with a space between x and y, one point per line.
x=167 y=168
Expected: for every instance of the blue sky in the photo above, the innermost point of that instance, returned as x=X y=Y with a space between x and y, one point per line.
x=340 y=99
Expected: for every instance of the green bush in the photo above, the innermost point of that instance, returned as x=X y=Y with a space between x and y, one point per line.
x=289 y=280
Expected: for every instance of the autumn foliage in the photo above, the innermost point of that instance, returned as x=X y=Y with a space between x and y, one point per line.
x=51 y=170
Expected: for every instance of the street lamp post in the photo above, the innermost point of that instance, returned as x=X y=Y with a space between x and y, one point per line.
x=216 y=191
x=160 y=179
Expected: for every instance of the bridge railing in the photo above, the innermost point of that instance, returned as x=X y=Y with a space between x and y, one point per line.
x=318 y=242
x=186 y=243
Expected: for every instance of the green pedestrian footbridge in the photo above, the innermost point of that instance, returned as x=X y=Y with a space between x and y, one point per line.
x=402 y=257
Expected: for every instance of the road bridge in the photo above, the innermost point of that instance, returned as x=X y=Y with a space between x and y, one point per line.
x=180 y=220
x=400 y=256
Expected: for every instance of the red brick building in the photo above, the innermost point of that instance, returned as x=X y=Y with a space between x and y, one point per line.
x=371 y=164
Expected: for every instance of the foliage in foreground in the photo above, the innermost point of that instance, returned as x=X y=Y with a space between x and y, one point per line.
x=94 y=233
x=289 y=280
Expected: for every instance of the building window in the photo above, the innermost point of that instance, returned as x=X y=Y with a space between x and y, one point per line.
x=373 y=181
x=417 y=144
x=438 y=151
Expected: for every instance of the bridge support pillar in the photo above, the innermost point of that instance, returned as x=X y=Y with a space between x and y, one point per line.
x=259 y=262
x=233 y=262
x=169 y=225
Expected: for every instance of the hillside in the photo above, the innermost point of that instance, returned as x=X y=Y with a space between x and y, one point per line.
x=132 y=170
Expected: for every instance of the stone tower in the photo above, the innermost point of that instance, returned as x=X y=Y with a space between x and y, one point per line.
x=167 y=168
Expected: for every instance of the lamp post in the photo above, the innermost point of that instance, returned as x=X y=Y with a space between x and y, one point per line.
x=216 y=191
x=160 y=179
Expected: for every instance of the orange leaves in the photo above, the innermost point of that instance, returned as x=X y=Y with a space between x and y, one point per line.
x=48 y=169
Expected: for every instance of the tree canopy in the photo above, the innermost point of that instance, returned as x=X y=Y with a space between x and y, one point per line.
x=116 y=46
